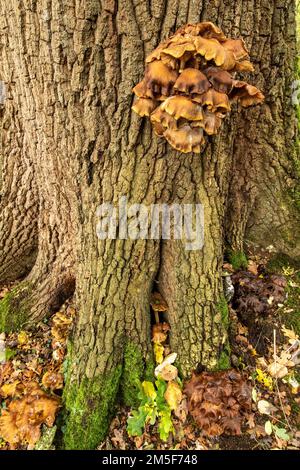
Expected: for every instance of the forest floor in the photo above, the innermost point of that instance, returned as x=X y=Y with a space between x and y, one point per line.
x=264 y=350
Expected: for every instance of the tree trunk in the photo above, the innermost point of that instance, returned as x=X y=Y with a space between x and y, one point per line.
x=72 y=142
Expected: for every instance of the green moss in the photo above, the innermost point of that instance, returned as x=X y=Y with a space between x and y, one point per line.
x=134 y=371
x=224 y=357
x=222 y=307
x=237 y=259
x=89 y=408
x=279 y=262
x=15 y=308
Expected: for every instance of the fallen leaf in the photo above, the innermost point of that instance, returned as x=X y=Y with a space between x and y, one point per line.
x=268 y=428
x=265 y=407
x=173 y=395
x=277 y=370
x=158 y=353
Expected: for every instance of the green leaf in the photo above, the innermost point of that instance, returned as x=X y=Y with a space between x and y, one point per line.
x=281 y=433
x=136 y=422
x=161 y=386
x=165 y=425
x=149 y=390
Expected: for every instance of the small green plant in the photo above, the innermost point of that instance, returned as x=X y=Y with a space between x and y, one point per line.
x=281 y=433
x=153 y=407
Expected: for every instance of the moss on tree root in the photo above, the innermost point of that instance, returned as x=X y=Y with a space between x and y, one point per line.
x=237 y=259
x=15 y=308
x=89 y=408
x=89 y=405
x=224 y=356
x=134 y=371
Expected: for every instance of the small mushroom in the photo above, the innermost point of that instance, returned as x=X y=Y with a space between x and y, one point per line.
x=144 y=106
x=185 y=139
x=192 y=81
x=158 y=304
x=182 y=107
x=215 y=101
x=160 y=78
x=245 y=94
x=220 y=79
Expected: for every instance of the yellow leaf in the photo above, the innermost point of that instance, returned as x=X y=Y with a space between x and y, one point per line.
x=173 y=395
x=149 y=389
x=158 y=353
x=9 y=390
x=264 y=379
x=23 y=338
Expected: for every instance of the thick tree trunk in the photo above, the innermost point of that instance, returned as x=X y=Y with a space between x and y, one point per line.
x=70 y=67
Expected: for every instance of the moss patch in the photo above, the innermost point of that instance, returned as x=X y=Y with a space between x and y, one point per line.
x=237 y=259
x=134 y=371
x=15 y=308
x=223 y=362
x=89 y=409
x=224 y=358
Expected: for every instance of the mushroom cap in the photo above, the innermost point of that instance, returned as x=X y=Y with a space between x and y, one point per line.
x=158 y=303
x=185 y=139
x=182 y=107
x=212 y=122
x=243 y=66
x=238 y=47
x=211 y=49
x=144 y=106
x=245 y=94
x=160 y=78
x=215 y=101
x=220 y=79
x=178 y=48
x=205 y=29
x=159 y=116
x=158 y=54
x=192 y=81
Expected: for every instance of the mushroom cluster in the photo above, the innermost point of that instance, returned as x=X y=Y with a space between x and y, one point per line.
x=218 y=401
x=189 y=85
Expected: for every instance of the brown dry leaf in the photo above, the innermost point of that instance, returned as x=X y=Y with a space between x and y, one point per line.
x=251 y=421
x=252 y=267
x=181 y=411
x=169 y=373
x=53 y=380
x=173 y=395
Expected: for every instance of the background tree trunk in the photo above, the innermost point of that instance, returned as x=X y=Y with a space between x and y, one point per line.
x=72 y=142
